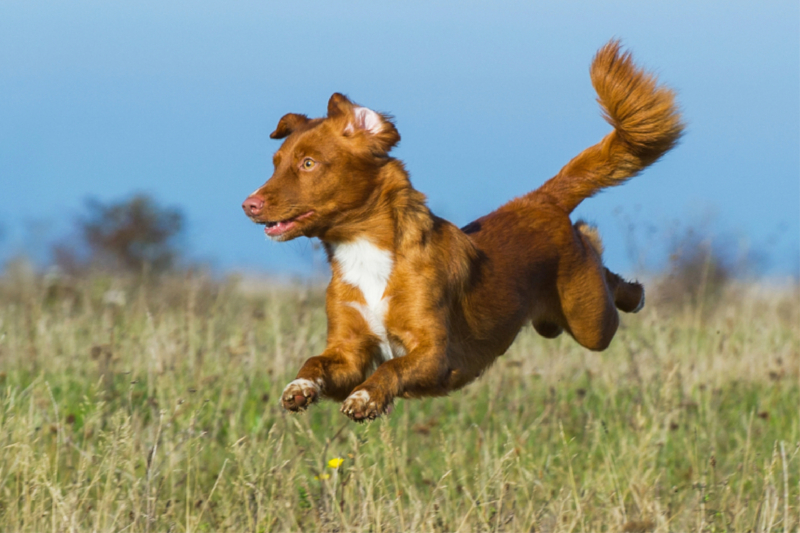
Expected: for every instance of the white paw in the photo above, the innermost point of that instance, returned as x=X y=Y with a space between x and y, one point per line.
x=360 y=397
x=359 y=407
x=299 y=394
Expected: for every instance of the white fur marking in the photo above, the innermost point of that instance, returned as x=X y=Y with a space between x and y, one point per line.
x=359 y=395
x=367 y=268
x=374 y=319
x=304 y=385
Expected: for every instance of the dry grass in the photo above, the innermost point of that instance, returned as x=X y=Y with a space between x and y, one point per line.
x=134 y=408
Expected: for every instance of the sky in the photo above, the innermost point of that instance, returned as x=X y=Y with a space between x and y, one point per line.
x=177 y=99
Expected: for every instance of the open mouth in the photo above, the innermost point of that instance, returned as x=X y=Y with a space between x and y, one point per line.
x=278 y=228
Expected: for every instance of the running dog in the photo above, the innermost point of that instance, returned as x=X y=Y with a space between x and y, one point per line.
x=418 y=307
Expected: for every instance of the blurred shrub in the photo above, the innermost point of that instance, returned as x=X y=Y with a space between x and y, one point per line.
x=133 y=235
x=701 y=268
x=697 y=273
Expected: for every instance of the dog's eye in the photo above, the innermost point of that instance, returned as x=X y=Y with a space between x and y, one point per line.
x=308 y=163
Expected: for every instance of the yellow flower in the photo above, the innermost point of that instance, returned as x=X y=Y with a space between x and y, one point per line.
x=336 y=462
x=322 y=476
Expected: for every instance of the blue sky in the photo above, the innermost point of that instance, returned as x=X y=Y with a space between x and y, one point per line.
x=177 y=99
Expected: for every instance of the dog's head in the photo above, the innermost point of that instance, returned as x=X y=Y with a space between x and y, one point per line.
x=326 y=171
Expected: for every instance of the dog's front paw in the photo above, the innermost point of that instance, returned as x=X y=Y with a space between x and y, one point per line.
x=299 y=394
x=364 y=405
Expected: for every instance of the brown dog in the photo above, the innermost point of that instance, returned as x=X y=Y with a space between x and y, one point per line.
x=417 y=307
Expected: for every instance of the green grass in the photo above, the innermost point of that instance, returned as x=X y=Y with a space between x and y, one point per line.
x=160 y=413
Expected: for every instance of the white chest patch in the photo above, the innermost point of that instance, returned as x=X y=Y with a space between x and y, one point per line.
x=367 y=268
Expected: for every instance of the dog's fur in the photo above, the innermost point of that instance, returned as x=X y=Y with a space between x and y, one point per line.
x=417 y=307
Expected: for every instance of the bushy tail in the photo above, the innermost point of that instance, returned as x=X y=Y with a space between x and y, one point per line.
x=646 y=124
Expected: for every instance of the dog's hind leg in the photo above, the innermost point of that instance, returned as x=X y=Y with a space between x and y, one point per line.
x=587 y=300
x=628 y=296
x=589 y=310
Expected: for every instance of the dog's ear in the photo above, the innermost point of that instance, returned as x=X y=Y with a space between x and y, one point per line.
x=287 y=124
x=378 y=128
x=339 y=105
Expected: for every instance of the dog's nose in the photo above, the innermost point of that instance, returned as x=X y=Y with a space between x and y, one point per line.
x=253 y=206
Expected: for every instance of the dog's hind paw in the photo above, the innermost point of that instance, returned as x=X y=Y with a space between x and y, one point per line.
x=299 y=394
x=641 y=303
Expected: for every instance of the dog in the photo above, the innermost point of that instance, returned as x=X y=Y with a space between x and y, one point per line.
x=416 y=306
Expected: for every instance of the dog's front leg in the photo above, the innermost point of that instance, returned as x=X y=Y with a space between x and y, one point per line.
x=423 y=372
x=334 y=374
x=342 y=366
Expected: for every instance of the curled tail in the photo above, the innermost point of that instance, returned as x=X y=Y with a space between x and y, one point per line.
x=646 y=121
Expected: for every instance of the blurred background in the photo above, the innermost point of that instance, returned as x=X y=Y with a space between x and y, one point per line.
x=130 y=132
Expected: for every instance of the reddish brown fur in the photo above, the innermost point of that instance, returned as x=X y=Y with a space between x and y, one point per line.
x=456 y=298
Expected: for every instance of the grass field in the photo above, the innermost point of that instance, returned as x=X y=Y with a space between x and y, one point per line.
x=155 y=408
